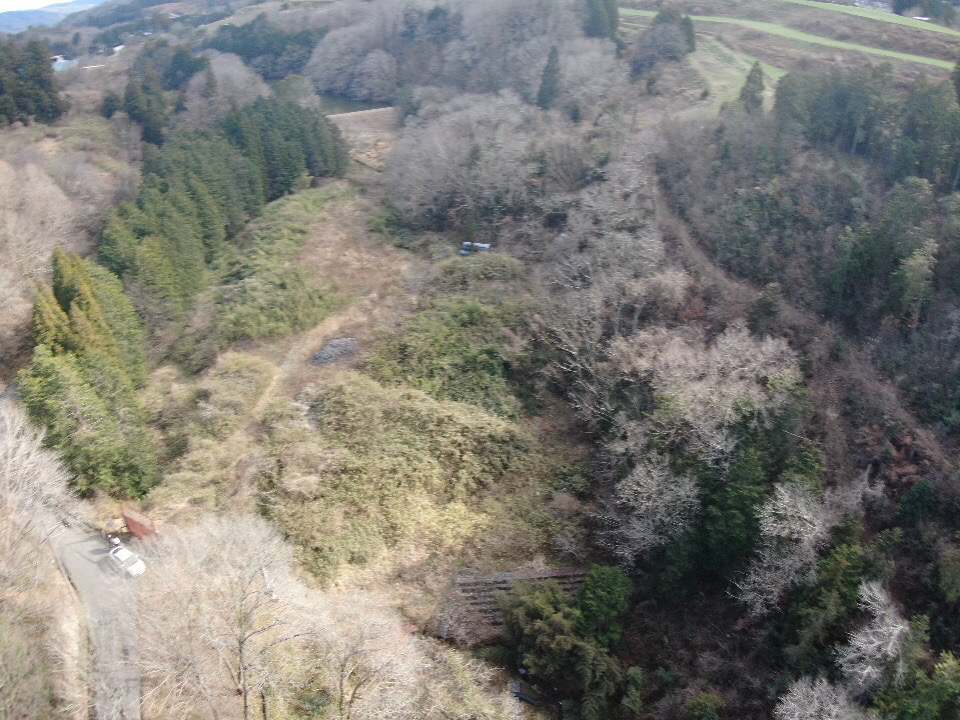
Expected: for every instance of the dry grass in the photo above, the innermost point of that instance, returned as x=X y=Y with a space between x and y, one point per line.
x=376 y=285
x=370 y=133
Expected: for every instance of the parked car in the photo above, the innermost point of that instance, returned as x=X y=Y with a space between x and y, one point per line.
x=125 y=562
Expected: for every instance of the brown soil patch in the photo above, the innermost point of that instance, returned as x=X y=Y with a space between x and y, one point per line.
x=370 y=133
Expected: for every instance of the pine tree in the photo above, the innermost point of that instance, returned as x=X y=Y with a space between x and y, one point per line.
x=550 y=84
x=93 y=346
x=143 y=101
x=90 y=355
x=209 y=90
x=110 y=105
x=751 y=94
x=686 y=26
x=36 y=91
x=901 y=6
x=955 y=78
x=125 y=324
x=98 y=314
x=118 y=242
x=51 y=326
x=104 y=446
x=731 y=525
x=72 y=287
x=285 y=140
x=599 y=22
x=613 y=18
x=209 y=216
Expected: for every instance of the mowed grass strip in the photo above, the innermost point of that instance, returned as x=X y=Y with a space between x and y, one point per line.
x=712 y=55
x=879 y=15
x=799 y=36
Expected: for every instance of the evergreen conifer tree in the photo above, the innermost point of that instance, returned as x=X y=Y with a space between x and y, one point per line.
x=686 y=26
x=598 y=23
x=550 y=84
x=51 y=326
x=751 y=94
x=955 y=78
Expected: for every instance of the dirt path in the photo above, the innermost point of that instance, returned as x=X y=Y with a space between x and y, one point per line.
x=378 y=285
x=115 y=682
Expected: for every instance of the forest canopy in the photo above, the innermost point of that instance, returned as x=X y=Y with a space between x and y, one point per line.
x=27 y=87
x=608 y=365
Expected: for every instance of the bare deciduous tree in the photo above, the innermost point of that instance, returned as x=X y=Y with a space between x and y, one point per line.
x=818 y=700
x=795 y=525
x=652 y=506
x=33 y=488
x=369 y=660
x=493 y=46
x=708 y=387
x=468 y=161
x=50 y=195
x=603 y=270
x=878 y=646
x=225 y=631
x=220 y=618
x=210 y=95
x=33 y=482
x=591 y=76
x=376 y=78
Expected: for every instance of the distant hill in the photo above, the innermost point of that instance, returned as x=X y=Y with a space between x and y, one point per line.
x=17 y=20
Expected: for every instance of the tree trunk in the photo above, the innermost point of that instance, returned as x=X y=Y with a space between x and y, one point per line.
x=244 y=689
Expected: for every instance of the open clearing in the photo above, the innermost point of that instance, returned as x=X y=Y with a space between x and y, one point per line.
x=725 y=70
x=799 y=36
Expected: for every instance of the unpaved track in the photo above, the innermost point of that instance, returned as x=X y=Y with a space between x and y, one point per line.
x=114 y=679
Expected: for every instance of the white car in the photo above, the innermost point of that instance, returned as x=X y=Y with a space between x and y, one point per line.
x=125 y=562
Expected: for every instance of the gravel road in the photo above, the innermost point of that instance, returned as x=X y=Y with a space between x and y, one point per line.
x=115 y=682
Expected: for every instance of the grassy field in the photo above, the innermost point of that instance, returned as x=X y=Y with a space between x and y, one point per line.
x=877 y=15
x=799 y=36
x=726 y=69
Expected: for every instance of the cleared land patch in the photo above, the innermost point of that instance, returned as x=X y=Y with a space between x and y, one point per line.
x=799 y=36
x=370 y=133
x=877 y=15
x=725 y=69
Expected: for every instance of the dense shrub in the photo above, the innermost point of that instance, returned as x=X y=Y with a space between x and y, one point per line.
x=363 y=467
x=264 y=291
x=543 y=630
x=451 y=351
